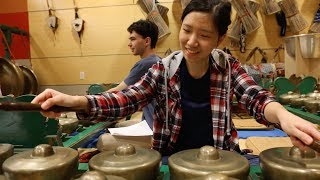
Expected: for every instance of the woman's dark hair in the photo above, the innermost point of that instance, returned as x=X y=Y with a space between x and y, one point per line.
x=145 y=28
x=219 y=9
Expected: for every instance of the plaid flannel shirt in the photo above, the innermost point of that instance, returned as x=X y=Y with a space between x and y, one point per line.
x=152 y=85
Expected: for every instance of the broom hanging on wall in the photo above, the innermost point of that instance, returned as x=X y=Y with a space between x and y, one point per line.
x=295 y=19
x=147 y=7
x=246 y=16
x=162 y=10
x=155 y=16
x=237 y=31
x=270 y=7
x=315 y=27
x=148 y=4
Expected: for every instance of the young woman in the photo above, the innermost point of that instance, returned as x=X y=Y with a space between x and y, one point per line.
x=193 y=89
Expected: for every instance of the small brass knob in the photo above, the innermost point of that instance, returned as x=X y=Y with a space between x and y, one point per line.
x=125 y=150
x=42 y=150
x=208 y=153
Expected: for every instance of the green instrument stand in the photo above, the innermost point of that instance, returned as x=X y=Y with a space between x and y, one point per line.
x=26 y=129
x=99 y=88
x=307 y=85
x=85 y=134
x=283 y=85
x=303 y=114
x=96 y=89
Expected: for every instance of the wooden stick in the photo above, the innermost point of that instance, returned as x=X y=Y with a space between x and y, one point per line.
x=23 y=106
x=315 y=144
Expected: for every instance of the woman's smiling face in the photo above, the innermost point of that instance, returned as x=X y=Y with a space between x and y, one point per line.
x=198 y=36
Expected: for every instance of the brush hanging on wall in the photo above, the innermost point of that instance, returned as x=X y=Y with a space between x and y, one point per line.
x=77 y=23
x=147 y=7
x=315 y=27
x=155 y=16
x=246 y=16
x=238 y=32
x=162 y=10
x=52 y=20
x=270 y=7
x=295 y=19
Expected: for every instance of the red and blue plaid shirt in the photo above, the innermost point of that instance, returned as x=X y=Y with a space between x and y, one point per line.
x=123 y=103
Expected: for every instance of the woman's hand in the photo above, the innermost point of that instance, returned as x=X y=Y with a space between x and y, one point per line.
x=302 y=133
x=50 y=97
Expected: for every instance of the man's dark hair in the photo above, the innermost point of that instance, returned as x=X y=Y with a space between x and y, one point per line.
x=145 y=28
x=220 y=11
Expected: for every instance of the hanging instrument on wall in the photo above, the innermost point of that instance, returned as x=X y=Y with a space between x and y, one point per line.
x=52 y=19
x=77 y=23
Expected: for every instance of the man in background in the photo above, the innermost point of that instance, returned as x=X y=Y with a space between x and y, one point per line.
x=142 y=42
x=143 y=37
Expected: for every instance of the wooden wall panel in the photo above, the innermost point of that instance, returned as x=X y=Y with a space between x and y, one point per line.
x=45 y=43
x=40 y=5
x=106 y=29
x=105 y=38
x=90 y=3
x=97 y=69
x=299 y=65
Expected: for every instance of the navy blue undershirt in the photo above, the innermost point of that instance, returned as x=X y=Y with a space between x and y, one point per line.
x=196 y=128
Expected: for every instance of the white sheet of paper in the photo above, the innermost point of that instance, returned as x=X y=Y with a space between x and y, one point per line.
x=139 y=129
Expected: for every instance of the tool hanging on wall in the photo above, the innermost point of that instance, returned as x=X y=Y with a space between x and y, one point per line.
x=77 y=23
x=242 y=39
x=52 y=19
x=282 y=22
x=315 y=27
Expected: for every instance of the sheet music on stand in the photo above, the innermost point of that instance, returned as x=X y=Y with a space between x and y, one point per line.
x=140 y=129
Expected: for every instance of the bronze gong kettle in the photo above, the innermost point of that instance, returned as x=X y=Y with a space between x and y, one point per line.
x=290 y=163
x=194 y=163
x=128 y=162
x=44 y=162
x=6 y=150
